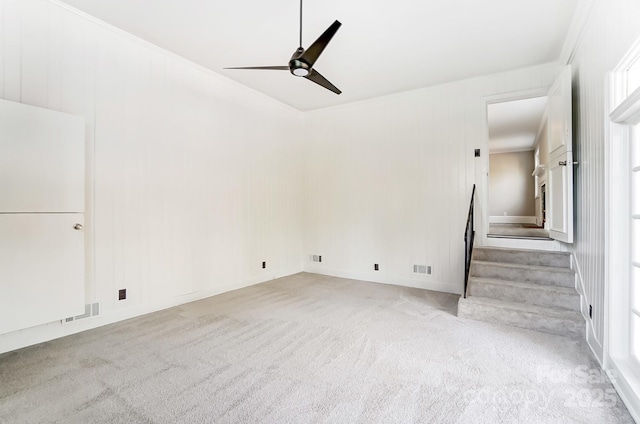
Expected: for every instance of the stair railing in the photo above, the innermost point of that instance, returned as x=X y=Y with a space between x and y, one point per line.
x=469 y=236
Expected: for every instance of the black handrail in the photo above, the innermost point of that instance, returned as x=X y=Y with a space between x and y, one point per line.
x=469 y=236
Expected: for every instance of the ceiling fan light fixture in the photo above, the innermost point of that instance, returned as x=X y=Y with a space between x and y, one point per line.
x=300 y=72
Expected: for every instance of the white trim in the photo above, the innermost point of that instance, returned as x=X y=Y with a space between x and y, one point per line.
x=627 y=388
x=543 y=122
x=592 y=340
x=627 y=61
x=512 y=243
x=539 y=171
x=608 y=100
x=517 y=95
x=576 y=31
x=593 y=343
x=617 y=206
x=482 y=171
x=512 y=219
x=510 y=150
x=619 y=361
x=628 y=112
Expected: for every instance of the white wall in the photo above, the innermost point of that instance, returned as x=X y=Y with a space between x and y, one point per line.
x=193 y=180
x=611 y=30
x=511 y=185
x=389 y=180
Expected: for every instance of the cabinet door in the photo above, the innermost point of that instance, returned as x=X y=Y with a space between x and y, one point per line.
x=561 y=197
x=559 y=103
x=560 y=178
x=41 y=160
x=41 y=269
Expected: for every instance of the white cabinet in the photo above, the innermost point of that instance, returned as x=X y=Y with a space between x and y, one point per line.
x=42 y=175
x=42 y=269
x=41 y=160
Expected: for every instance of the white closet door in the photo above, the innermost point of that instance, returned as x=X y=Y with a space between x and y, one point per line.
x=41 y=269
x=41 y=160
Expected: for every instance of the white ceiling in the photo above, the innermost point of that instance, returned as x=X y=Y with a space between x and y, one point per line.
x=513 y=125
x=383 y=46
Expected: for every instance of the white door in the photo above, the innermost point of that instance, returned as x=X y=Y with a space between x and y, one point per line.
x=560 y=197
x=41 y=269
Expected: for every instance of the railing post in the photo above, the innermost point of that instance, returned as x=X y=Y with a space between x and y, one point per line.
x=466 y=261
x=469 y=237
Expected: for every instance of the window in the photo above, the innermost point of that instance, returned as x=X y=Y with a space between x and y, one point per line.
x=633 y=76
x=623 y=225
x=634 y=248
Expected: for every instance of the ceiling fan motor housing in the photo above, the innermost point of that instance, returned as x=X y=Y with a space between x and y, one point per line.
x=297 y=66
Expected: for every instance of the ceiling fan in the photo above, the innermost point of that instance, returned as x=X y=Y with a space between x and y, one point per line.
x=302 y=61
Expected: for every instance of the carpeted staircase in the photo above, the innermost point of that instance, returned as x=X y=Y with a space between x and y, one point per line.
x=523 y=288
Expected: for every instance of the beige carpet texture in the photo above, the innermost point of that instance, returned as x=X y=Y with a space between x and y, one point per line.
x=308 y=349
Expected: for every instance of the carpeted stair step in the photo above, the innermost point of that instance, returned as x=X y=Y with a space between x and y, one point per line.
x=549 y=320
x=553 y=276
x=532 y=294
x=522 y=256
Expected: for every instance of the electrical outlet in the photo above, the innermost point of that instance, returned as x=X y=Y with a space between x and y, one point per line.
x=590 y=311
x=429 y=270
x=476 y=153
x=264 y=265
x=122 y=294
x=376 y=267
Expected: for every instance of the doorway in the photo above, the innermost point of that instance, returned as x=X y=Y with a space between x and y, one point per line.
x=517 y=178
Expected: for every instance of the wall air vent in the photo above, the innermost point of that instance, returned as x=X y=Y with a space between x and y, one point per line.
x=422 y=269
x=90 y=310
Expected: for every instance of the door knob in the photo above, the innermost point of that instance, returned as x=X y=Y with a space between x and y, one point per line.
x=78 y=227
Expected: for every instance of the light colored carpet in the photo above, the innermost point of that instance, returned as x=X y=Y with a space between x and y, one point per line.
x=517 y=231
x=308 y=349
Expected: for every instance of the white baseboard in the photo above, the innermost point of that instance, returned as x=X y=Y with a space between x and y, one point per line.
x=626 y=384
x=594 y=344
x=512 y=220
x=426 y=283
x=55 y=330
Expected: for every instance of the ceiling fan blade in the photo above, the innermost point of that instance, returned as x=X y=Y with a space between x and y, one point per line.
x=313 y=52
x=320 y=80
x=268 y=68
